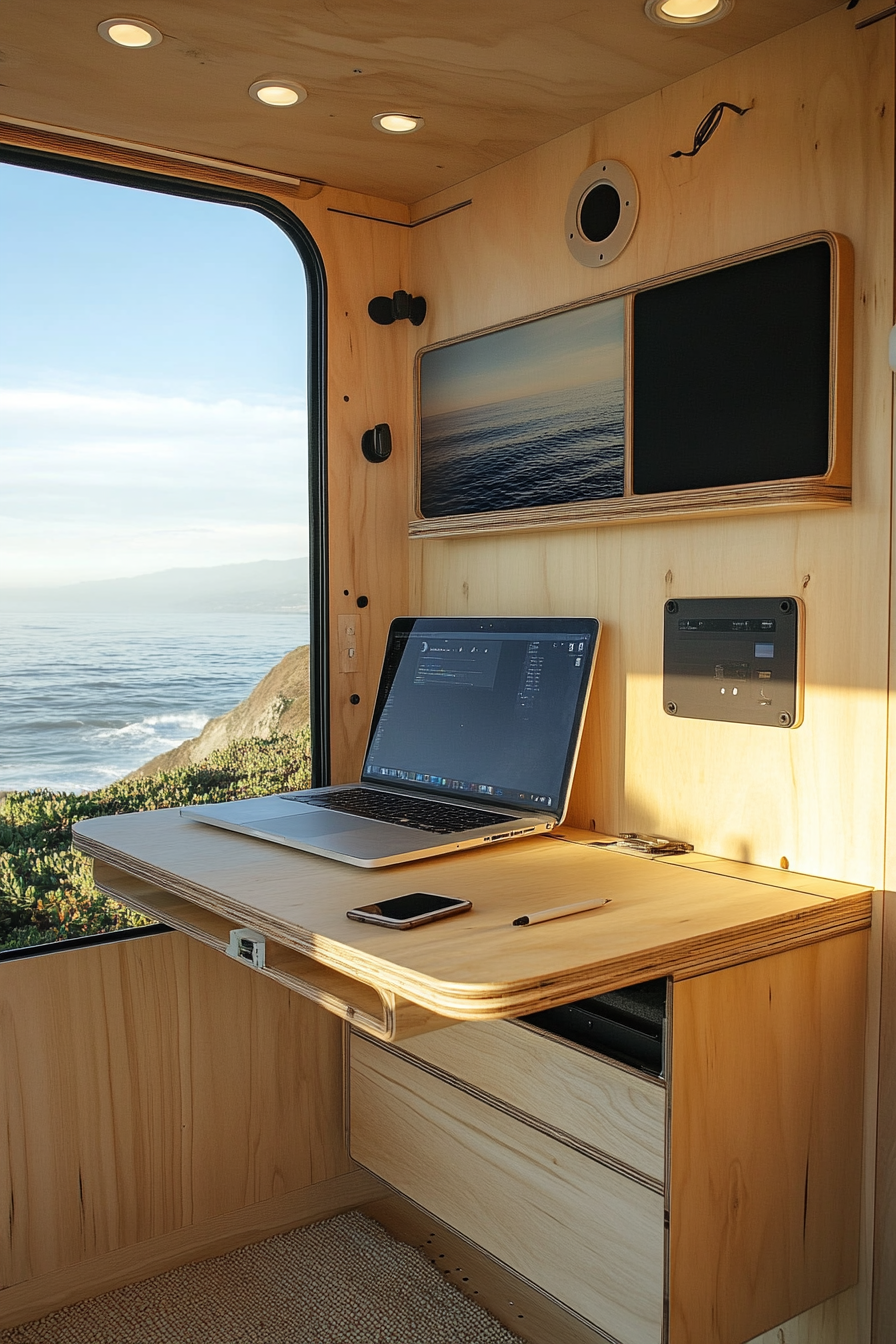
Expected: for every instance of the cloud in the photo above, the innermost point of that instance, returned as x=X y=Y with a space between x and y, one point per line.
x=97 y=485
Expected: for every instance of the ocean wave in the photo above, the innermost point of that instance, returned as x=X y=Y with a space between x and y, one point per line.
x=189 y=725
x=88 y=699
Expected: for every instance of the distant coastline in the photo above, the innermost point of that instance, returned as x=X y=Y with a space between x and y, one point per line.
x=270 y=587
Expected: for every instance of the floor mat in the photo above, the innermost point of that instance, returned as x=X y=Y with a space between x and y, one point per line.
x=343 y=1281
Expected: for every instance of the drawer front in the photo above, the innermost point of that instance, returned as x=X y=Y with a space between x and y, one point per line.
x=609 y=1109
x=581 y=1231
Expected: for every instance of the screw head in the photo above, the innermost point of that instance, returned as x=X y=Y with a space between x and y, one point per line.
x=671 y=707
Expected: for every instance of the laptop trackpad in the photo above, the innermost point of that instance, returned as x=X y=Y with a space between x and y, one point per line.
x=314 y=822
x=342 y=834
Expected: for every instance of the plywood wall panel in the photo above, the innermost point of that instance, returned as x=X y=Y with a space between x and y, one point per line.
x=151 y=1085
x=815 y=151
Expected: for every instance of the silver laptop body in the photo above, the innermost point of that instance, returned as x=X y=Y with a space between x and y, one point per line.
x=473 y=740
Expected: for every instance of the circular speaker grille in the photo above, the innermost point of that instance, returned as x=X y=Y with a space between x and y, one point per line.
x=601 y=213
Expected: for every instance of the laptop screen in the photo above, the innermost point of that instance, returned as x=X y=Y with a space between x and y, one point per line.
x=486 y=709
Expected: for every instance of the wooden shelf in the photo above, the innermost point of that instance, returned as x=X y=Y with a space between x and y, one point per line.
x=764 y=497
x=379 y=1012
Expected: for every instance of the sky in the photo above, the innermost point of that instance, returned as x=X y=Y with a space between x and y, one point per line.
x=152 y=383
x=571 y=349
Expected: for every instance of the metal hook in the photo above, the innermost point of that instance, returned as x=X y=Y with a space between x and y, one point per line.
x=707 y=128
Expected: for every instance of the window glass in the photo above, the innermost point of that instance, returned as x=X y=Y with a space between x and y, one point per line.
x=153 y=524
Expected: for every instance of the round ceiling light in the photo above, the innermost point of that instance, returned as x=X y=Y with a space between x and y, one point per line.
x=278 y=92
x=397 y=123
x=129 y=32
x=687 y=13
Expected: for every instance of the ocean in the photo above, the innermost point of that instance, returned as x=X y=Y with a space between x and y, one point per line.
x=87 y=698
x=551 y=448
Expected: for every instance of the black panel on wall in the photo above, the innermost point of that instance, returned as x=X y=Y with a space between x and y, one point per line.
x=731 y=374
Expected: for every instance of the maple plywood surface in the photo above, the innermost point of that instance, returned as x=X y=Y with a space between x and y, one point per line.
x=661 y=920
x=765 y=1195
x=584 y=1233
x=617 y=1114
x=814 y=152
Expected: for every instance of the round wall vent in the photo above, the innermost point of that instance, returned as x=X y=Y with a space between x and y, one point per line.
x=601 y=212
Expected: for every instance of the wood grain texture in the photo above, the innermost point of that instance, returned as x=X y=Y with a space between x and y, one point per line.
x=815 y=152
x=766 y=1140
x=826 y=491
x=526 y=1311
x=515 y=1192
x=785 y=496
x=490 y=83
x=380 y=1012
x=35 y=1298
x=884 y=1298
x=661 y=920
x=144 y=1092
x=835 y=1321
x=613 y=1111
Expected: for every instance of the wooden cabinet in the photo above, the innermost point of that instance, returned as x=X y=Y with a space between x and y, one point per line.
x=514 y=1190
x=555 y=1160
x=613 y=1113
x=559 y=1164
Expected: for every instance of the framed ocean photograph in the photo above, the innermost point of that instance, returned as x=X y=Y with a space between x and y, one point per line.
x=530 y=416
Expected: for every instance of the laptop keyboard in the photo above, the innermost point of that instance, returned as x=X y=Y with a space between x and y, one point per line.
x=421 y=814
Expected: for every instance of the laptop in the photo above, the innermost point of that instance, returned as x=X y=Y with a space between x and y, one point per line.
x=473 y=741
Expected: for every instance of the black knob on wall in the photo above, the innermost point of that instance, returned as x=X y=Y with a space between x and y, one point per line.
x=384 y=311
x=376 y=443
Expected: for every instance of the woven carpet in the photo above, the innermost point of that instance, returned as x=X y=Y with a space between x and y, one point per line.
x=343 y=1281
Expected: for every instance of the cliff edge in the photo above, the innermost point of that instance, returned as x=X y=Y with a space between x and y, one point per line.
x=278 y=704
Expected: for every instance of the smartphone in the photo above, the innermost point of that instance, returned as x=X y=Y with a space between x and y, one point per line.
x=406 y=912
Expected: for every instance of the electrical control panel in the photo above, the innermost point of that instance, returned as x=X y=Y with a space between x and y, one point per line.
x=735 y=660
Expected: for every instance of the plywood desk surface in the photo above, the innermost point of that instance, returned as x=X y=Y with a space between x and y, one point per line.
x=676 y=917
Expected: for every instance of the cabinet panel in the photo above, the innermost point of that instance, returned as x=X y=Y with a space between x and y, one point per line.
x=767 y=1069
x=577 y=1229
x=608 y=1108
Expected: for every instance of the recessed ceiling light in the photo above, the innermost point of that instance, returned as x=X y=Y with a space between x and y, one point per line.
x=397 y=123
x=689 y=13
x=278 y=92
x=129 y=32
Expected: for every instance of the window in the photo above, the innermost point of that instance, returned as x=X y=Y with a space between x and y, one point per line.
x=163 y=529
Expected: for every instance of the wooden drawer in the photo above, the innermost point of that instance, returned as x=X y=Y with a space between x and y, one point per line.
x=611 y=1110
x=581 y=1231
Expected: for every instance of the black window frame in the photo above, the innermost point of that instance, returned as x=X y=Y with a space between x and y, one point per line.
x=316 y=282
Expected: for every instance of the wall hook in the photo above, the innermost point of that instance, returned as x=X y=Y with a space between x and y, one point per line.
x=376 y=443
x=385 y=311
x=707 y=129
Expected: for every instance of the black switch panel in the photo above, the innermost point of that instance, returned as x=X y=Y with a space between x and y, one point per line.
x=734 y=660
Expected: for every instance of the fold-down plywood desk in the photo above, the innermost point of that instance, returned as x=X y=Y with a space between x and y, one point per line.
x=705 y=1206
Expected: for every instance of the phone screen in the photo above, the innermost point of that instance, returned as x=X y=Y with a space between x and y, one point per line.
x=416 y=906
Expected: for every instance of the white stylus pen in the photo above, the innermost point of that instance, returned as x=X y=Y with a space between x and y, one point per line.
x=560 y=910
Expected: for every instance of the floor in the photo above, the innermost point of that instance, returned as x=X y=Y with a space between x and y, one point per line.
x=343 y=1281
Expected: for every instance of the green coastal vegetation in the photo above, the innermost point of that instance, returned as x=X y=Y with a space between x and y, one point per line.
x=46 y=889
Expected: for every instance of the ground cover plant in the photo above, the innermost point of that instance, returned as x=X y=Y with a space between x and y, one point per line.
x=46 y=889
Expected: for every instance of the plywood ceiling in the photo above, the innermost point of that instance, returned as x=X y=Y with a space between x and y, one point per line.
x=492 y=78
